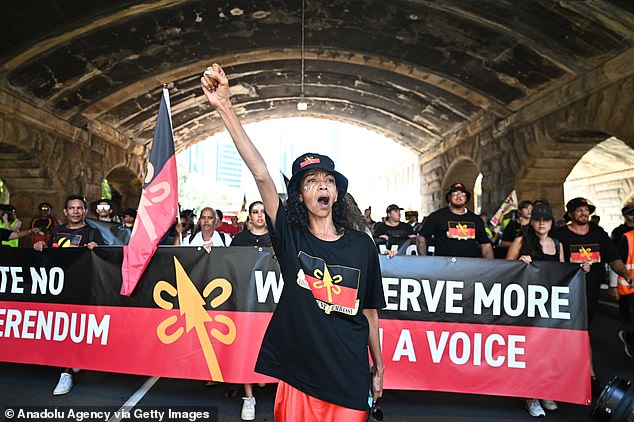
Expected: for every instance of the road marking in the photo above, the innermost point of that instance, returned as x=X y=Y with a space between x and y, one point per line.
x=134 y=399
x=611 y=304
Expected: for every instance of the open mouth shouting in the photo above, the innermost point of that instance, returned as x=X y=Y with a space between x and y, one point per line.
x=324 y=200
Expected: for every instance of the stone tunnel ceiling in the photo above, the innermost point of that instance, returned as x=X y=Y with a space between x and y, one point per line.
x=418 y=71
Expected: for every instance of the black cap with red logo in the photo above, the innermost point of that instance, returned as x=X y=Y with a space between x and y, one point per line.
x=575 y=203
x=316 y=161
x=457 y=187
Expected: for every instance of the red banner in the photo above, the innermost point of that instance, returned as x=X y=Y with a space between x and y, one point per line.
x=450 y=324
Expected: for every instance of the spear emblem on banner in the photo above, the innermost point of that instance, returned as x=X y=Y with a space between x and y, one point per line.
x=192 y=307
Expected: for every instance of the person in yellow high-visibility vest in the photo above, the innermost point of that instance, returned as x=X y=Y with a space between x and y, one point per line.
x=11 y=222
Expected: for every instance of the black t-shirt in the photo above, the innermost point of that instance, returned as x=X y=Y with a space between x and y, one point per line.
x=317 y=340
x=594 y=247
x=396 y=234
x=453 y=234
x=512 y=231
x=618 y=232
x=623 y=248
x=246 y=238
x=63 y=237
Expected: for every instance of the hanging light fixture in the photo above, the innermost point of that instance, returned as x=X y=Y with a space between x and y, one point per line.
x=302 y=105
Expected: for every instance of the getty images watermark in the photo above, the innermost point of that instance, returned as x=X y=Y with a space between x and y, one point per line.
x=112 y=414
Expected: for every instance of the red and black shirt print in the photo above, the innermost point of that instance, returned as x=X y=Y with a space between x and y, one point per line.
x=590 y=252
x=461 y=230
x=67 y=240
x=334 y=287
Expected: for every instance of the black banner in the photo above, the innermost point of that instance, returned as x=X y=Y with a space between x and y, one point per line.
x=451 y=324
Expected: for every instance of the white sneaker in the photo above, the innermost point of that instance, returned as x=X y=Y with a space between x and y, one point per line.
x=248 y=409
x=549 y=405
x=64 y=385
x=534 y=408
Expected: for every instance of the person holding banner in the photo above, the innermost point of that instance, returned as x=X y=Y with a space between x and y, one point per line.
x=587 y=244
x=326 y=319
x=392 y=233
x=257 y=235
x=206 y=235
x=536 y=244
x=74 y=234
x=455 y=230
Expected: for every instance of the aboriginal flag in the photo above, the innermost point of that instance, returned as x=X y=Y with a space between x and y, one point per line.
x=158 y=206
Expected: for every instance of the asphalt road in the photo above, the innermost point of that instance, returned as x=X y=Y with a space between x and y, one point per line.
x=31 y=385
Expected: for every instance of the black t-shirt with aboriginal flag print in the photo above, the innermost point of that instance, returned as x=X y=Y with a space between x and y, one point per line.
x=63 y=237
x=453 y=234
x=594 y=247
x=317 y=340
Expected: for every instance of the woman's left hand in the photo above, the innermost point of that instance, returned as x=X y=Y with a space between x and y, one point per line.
x=526 y=259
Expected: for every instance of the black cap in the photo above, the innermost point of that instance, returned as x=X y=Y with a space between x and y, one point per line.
x=542 y=211
x=312 y=160
x=628 y=209
x=129 y=211
x=575 y=203
x=392 y=207
x=457 y=187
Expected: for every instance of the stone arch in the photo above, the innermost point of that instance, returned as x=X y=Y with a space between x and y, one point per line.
x=605 y=176
x=126 y=187
x=463 y=170
x=547 y=150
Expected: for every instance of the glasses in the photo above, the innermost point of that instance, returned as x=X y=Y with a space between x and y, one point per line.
x=103 y=207
x=44 y=209
x=458 y=192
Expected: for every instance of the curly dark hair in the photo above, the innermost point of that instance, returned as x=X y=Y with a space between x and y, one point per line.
x=298 y=215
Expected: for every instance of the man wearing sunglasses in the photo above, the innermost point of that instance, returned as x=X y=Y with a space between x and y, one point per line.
x=104 y=210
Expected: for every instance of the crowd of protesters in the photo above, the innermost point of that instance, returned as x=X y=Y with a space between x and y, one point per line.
x=319 y=214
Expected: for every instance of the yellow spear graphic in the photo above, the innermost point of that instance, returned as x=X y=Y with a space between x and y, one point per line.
x=192 y=307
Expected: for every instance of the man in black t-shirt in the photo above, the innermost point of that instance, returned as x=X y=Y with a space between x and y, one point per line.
x=628 y=224
x=454 y=230
x=392 y=232
x=617 y=234
x=75 y=233
x=584 y=242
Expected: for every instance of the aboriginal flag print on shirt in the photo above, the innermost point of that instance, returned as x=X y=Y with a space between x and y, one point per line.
x=585 y=253
x=63 y=237
x=461 y=230
x=67 y=240
x=334 y=287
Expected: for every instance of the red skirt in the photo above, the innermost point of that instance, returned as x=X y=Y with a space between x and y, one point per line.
x=292 y=405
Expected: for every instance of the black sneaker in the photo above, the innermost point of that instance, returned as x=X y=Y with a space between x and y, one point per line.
x=626 y=346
